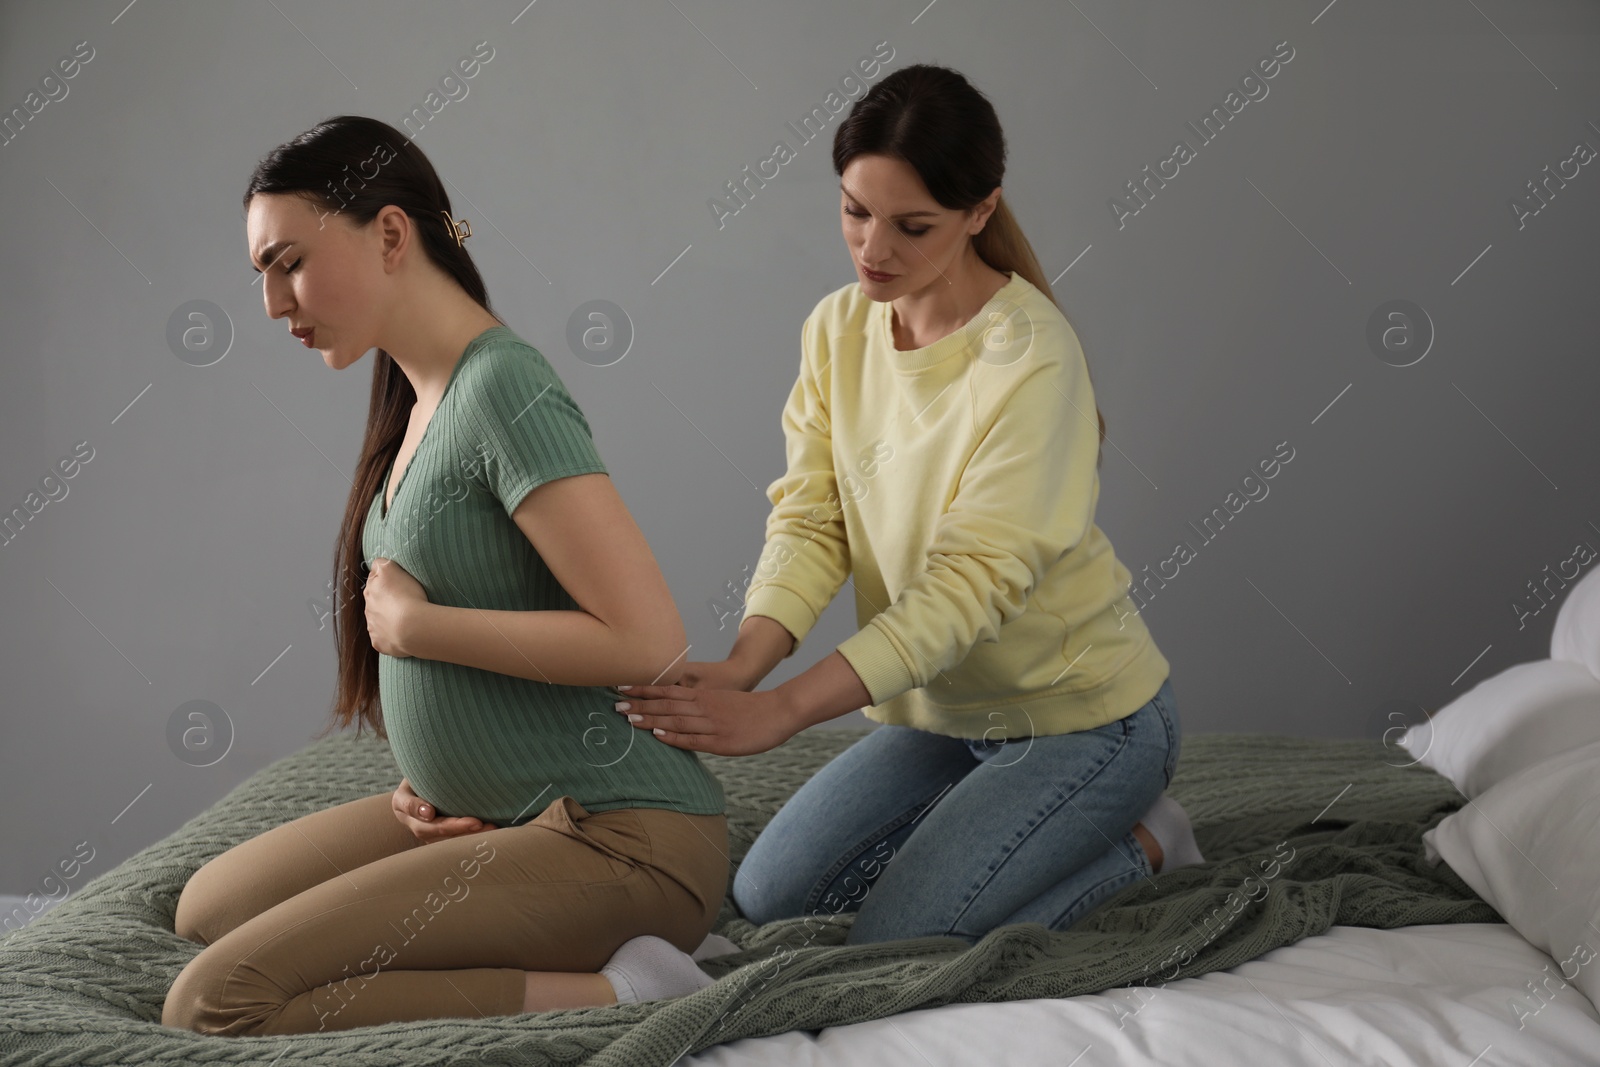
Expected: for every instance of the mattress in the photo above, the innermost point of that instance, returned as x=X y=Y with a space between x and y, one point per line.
x=1418 y=996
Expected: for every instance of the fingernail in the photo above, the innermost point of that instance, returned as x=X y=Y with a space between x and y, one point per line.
x=658 y=731
x=624 y=687
x=623 y=705
x=635 y=718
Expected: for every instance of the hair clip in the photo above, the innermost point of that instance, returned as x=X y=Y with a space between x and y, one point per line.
x=459 y=230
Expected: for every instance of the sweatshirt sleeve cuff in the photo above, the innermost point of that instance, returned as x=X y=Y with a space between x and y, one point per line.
x=872 y=654
x=783 y=606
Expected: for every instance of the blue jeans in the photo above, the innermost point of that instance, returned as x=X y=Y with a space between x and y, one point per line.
x=925 y=835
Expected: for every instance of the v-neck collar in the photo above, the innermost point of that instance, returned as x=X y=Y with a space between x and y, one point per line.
x=384 y=507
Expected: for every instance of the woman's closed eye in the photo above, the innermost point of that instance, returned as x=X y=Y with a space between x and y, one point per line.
x=908 y=233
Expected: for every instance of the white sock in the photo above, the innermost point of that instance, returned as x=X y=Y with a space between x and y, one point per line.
x=650 y=968
x=714 y=945
x=1168 y=823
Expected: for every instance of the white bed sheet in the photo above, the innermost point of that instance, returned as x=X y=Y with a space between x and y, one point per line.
x=1432 y=996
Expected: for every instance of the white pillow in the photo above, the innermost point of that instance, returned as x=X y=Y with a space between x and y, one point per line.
x=1521 y=716
x=1576 y=637
x=1528 y=847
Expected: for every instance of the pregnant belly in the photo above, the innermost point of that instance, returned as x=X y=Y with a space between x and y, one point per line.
x=493 y=746
x=423 y=722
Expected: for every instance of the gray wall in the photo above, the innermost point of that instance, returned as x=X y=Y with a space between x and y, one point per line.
x=1229 y=314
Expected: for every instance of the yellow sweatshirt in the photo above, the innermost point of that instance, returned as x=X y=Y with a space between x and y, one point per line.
x=956 y=485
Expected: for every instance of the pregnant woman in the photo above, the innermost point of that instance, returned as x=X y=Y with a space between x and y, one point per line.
x=943 y=451
x=539 y=854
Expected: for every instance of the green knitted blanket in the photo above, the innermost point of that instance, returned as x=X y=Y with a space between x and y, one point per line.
x=1299 y=834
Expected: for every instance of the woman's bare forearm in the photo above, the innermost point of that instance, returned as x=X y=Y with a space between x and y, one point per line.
x=559 y=647
x=828 y=689
x=761 y=645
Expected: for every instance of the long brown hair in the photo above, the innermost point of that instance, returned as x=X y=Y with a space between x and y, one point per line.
x=328 y=165
x=935 y=120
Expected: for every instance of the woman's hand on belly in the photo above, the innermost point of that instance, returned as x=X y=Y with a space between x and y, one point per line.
x=420 y=817
x=392 y=596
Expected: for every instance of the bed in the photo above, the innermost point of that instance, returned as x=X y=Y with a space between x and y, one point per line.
x=1354 y=946
x=1353 y=995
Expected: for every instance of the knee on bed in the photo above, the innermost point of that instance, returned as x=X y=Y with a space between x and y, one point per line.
x=208 y=997
x=183 y=1008
x=192 y=920
x=206 y=910
x=760 y=899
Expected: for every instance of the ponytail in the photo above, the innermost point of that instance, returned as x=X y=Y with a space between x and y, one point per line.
x=1002 y=245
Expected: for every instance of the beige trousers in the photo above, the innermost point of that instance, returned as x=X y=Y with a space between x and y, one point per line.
x=343 y=918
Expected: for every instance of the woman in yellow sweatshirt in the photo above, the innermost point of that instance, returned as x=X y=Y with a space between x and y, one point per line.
x=943 y=447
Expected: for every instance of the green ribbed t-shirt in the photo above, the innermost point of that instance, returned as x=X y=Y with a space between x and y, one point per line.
x=474 y=742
